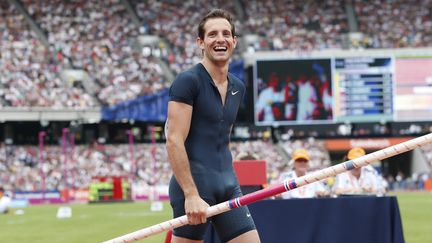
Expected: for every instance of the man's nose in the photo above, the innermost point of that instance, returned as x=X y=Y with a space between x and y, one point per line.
x=220 y=38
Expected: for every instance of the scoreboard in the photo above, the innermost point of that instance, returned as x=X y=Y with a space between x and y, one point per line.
x=363 y=89
x=338 y=90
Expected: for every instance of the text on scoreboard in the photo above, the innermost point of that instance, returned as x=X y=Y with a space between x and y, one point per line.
x=364 y=88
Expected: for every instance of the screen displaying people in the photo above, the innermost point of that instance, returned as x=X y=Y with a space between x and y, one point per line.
x=290 y=91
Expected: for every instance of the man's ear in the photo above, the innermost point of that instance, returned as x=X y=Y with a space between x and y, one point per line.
x=200 y=43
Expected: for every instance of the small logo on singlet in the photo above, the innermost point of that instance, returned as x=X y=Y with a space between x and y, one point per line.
x=234 y=92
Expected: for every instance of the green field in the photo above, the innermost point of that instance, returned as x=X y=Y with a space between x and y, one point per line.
x=96 y=223
x=416 y=212
x=89 y=223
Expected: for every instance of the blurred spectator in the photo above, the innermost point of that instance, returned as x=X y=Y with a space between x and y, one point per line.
x=427 y=153
x=362 y=180
x=5 y=201
x=300 y=161
x=401 y=182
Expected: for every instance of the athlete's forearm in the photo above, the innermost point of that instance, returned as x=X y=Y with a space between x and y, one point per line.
x=180 y=165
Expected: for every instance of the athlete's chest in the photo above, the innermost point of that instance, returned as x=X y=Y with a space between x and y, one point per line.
x=218 y=103
x=222 y=89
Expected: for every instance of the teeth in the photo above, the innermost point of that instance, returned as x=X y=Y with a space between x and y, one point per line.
x=220 y=48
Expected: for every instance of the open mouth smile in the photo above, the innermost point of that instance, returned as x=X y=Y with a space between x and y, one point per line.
x=220 y=49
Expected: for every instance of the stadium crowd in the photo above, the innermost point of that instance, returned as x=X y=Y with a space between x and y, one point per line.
x=20 y=168
x=100 y=38
x=294 y=25
x=30 y=76
x=394 y=24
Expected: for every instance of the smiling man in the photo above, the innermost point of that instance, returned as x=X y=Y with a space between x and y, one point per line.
x=202 y=108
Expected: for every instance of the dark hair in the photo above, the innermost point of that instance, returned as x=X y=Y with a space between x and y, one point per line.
x=213 y=14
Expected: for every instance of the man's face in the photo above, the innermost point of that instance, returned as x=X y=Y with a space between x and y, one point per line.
x=218 y=44
x=301 y=165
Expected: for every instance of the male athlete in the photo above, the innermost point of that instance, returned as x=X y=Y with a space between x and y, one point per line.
x=203 y=104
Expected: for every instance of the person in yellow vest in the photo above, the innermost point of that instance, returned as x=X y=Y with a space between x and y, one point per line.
x=363 y=180
x=300 y=160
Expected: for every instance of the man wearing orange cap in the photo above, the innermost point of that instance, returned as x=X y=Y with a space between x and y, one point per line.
x=301 y=158
x=363 y=180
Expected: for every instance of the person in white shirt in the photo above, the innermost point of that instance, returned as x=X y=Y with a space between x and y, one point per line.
x=301 y=158
x=267 y=98
x=5 y=200
x=363 y=180
x=306 y=99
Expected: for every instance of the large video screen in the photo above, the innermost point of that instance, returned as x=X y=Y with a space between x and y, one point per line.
x=413 y=100
x=293 y=91
x=363 y=88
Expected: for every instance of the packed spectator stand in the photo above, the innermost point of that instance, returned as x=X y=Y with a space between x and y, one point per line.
x=295 y=25
x=20 y=166
x=394 y=24
x=30 y=76
x=100 y=38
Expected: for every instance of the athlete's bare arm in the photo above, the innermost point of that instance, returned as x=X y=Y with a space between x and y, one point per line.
x=179 y=120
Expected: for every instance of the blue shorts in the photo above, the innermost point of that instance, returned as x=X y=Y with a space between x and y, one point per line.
x=228 y=225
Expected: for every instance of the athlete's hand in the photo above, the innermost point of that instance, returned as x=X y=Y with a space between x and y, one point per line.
x=196 y=209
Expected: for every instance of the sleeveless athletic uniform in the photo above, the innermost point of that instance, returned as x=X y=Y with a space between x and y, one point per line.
x=208 y=152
